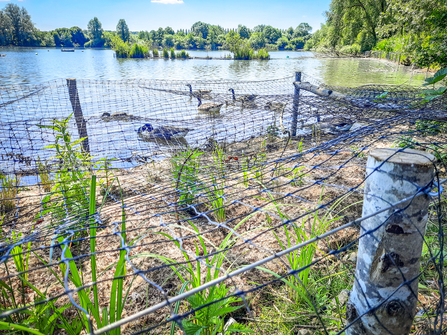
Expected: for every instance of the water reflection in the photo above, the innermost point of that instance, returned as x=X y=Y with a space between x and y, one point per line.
x=23 y=66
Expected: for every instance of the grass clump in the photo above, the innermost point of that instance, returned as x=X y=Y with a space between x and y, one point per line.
x=172 y=53
x=155 y=53
x=72 y=179
x=182 y=54
x=165 y=53
x=194 y=273
x=245 y=52
x=44 y=175
x=138 y=51
x=9 y=189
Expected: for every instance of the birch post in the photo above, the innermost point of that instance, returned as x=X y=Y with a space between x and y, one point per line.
x=296 y=101
x=394 y=248
x=76 y=105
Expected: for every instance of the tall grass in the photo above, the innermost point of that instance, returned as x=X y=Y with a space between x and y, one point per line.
x=155 y=53
x=138 y=51
x=210 y=319
x=172 y=53
x=245 y=52
x=165 y=53
x=44 y=175
x=9 y=188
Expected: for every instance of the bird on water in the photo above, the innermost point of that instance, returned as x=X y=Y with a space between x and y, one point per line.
x=147 y=131
x=211 y=107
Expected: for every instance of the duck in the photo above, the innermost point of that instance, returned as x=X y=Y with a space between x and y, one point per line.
x=211 y=107
x=335 y=125
x=147 y=131
x=198 y=93
x=277 y=107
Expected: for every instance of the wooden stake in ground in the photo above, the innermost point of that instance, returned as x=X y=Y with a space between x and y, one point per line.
x=389 y=255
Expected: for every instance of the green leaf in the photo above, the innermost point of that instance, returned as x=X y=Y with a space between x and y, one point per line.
x=11 y=326
x=238 y=328
x=191 y=328
x=441 y=74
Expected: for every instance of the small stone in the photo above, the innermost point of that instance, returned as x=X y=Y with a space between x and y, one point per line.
x=353 y=257
x=343 y=297
x=304 y=332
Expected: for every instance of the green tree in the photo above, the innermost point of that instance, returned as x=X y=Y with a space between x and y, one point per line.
x=5 y=29
x=271 y=34
x=95 y=30
x=77 y=36
x=302 y=30
x=257 y=40
x=22 y=27
x=200 y=29
x=259 y=28
x=122 y=30
x=169 y=31
x=233 y=40
x=244 y=31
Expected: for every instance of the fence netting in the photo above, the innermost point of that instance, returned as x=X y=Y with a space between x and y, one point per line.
x=218 y=207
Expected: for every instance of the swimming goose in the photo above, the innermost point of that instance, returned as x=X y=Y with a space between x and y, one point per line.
x=243 y=98
x=198 y=93
x=277 y=107
x=335 y=125
x=163 y=132
x=212 y=107
x=120 y=116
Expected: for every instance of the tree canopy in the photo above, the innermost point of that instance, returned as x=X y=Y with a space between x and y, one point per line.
x=122 y=30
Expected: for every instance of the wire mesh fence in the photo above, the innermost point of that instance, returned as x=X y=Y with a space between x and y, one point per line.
x=216 y=207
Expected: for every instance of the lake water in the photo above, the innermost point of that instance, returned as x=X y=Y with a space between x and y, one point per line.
x=23 y=66
x=160 y=102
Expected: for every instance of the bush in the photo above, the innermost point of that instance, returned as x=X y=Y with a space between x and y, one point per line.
x=183 y=54
x=155 y=52
x=353 y=49
x=138 y=51
x=165 y=53
x=172 y=53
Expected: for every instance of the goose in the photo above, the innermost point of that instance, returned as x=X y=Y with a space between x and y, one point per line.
x=277 y=107
x=212 y=107
x=335 y=125
x=243 y=98
x=198 y=93
x=164 y=132
x=120 y=116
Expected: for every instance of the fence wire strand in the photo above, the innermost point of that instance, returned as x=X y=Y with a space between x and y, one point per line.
x=201 y=207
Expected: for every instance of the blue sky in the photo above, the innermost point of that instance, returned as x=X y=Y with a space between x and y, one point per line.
x=151 y=14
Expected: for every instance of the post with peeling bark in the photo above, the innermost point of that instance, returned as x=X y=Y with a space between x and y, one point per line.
x=76 y=105
x=296 y=101
x=393 y=247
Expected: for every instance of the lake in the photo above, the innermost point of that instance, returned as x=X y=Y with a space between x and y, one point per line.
x=23 y=66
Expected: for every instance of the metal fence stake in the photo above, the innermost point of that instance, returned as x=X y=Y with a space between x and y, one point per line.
x=76 y=105
x=296 y=101
x=386 y=286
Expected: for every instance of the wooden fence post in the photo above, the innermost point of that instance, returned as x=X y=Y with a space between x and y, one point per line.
x=76 y=105
x=394 y=245
x=296 y=101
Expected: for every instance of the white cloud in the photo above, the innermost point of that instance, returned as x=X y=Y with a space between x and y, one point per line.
x=167 y=2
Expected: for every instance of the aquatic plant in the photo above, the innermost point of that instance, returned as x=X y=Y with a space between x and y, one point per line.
x=155 y=53
x=165 y=53
x=172 y=53
x=138 y=51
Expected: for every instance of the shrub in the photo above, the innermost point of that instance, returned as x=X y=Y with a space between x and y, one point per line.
x=172 y=53
x=183 y=54
x=165 y=53
x=155 y=52
x=138 y=51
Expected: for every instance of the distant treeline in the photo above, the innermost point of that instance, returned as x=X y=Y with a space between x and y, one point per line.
x=416 y=28
x=17 y=29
